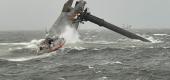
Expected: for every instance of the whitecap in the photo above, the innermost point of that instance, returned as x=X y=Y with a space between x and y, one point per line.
x=103 y=78
x=31 y=44
x=20 y=59
x=151 y=38
x=22 y=43
x=100 y=42
x=96 y=49
x=133 y=46
x=76 y=47
x=154 y=40
x=79 y=48
x=166 y=47
x=90 y=67
x=110 y=62
x=160 y=34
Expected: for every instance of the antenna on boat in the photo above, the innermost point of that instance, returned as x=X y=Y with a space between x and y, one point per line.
x=46 y=30
x=46 y=33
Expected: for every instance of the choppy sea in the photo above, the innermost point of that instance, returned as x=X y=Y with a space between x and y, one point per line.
x=99 y=55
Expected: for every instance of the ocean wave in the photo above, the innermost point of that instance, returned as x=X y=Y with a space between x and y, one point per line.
x=110 y=62
x=100 y=42
x=151 y=38
x=154 y=40
x=20 y=59
x=128 y=40
x=97 y=49
x=32 y=42
x=19 y=46
x=22 y=43
x=160 y=34
x=76 y=48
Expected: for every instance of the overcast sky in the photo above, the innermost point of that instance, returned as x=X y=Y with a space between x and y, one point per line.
x=39 y=14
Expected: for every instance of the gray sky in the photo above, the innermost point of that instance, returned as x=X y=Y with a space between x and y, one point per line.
x=39 y=14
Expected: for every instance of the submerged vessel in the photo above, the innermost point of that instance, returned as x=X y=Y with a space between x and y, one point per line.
x=73 y=16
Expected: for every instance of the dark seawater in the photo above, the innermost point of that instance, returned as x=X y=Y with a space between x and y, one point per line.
x=101 y=55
